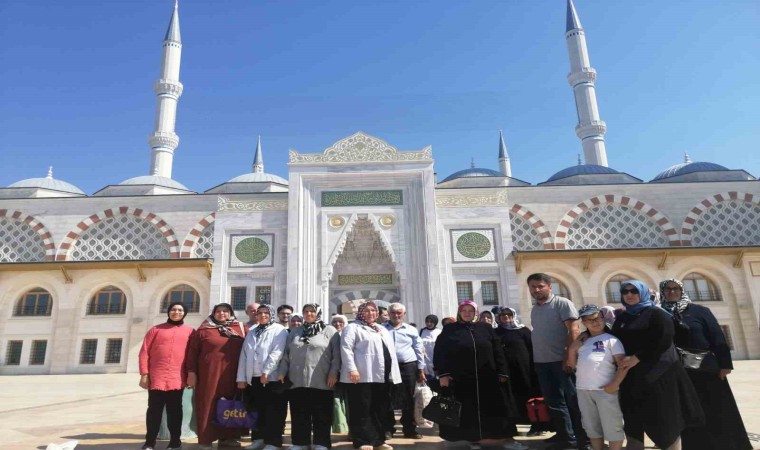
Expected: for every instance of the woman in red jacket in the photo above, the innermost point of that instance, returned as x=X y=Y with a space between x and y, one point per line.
x=162 y=360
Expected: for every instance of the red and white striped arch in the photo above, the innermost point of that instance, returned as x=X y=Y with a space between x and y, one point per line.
x=688 y=224
x=536 y=223
x=42 y=231
x=192 y=237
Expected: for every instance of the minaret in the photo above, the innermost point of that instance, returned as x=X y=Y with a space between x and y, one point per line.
x=258 y=160
x=590 y=128
x=504 y=165
x=164 y=141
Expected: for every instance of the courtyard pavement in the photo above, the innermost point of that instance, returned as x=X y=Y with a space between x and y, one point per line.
x=108 y=412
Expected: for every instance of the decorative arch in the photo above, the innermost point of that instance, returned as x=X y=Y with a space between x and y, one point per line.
x=653 y=214
x=383 y=296
x=687 y=229
x=37 y=226
x=538 y=225
x=341 y=245
x=64 y=250
x=195 y=233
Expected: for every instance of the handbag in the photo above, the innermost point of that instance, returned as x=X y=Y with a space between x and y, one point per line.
x=538 y=411
x=698 y=360
x=232 y=413
x=443 y=409
x=422 y=397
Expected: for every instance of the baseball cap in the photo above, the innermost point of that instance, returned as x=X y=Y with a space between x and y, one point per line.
x=587 y=310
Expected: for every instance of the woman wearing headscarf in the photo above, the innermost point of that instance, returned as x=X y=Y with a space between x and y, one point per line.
x=339 y=321
x=369 y=368
x=312 y=363
x=608 y=312
x=340 y=412
x=656 y=396
x=428 y=335
x=162 y=372
x=470 y=361
x=258 y=372
x=296 y=320
x=212 y=364
x=697 y=329
x=489 y=318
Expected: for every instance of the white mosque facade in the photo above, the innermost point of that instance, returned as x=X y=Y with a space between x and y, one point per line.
x=83 y=277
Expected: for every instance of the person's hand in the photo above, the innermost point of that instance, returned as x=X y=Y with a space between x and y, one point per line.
x=421 y=377
x=582 y=337
x=264 y=379
x=724 y=373
x=331 y=380
x=566 y=366
x=503 y=379
x=610 y=388
x=628 y=362
x=145 y=381
x=192 y=380
x=444 y=381
x=281 y=378
x=242 y=384
x=354 y=376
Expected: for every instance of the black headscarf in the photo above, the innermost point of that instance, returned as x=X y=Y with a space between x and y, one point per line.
x=430 y=318
x=184 y=313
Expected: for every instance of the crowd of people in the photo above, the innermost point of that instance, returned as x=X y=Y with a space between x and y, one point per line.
x=620 y=378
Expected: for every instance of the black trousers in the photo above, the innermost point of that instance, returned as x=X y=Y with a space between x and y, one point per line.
x=157 y=400
x=368 y=405
x=272 y=407
x=311 y=410
x=404 y=399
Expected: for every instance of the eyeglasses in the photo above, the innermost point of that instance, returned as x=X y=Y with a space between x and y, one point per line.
x=629 y=291
x=597 y=319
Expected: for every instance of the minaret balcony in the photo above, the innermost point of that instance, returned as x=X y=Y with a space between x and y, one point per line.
x=163 y=139
x=586 y=75
x=592 y=128
x=172 y=88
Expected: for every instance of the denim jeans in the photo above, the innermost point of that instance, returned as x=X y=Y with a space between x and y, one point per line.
x=558 y=389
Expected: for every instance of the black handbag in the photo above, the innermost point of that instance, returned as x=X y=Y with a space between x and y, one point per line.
x=443 y=410
x=698 y=360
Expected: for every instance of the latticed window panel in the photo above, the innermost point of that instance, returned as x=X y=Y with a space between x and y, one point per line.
x=36 y=302
x=121 y=237
x=113 y=351
x=37 y=355
x=524 y=236
x=13 y=353
x=204 y=247
x=728 y=223
x=464 y=290
x=183 y=293
x=19 y=242
x=107 y=301
x=489 y=293
x=614 y=226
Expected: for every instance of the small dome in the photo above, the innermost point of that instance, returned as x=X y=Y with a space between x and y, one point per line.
x=688 y=167
x=581 y=169
x=258 y=178
x=153 y=180
x=47 y=183
x=474 y=172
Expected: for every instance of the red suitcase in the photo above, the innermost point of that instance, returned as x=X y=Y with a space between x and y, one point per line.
x=537 y=410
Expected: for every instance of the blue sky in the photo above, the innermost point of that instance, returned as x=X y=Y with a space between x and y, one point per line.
x=76 y=83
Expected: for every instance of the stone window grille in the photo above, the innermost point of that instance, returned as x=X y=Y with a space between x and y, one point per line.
x=204 y=247
x=612 y=287
x=19 y=242
x=728 y=223
x=88 y=351
x=36 y=302
x=699 y=288
x=264 y=294
x=37 y=356
x=614 y=226
x=185 y=294
x=489 y=293
x=109 y=300
x=560 y=289
x=113 y=351
x=13 y=353
x=238 y=297
x=524 y=236
x=121 y=237
x=464 y=290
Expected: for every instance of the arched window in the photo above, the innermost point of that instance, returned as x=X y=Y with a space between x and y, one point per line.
x=36 y=302
x=185 y=294
x=109 y=300
x=699 y=288
x=559 y=288
x=612 y=289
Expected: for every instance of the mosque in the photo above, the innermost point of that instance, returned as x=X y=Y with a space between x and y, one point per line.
x=83 y=277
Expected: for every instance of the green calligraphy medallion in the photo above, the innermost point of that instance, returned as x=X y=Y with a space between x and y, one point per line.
x=251 y=250
x=473 y=245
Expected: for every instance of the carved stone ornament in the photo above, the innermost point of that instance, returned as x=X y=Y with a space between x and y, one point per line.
x=224 y=204
x=387 y=221
x=468 y=201
x=337 y=221
x=361 y=148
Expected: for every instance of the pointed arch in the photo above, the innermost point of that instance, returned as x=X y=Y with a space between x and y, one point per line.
x=195 y=233
x=543 y=233
x=37 y=226
x=341 y=244
x=687 y=229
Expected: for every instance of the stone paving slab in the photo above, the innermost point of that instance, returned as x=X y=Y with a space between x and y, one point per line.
x=108 y=412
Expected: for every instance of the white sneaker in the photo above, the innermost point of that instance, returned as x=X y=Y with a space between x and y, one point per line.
x=515 y=446
x=258 y=444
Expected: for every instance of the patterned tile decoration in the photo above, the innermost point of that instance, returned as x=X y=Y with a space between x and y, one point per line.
x=473 y=245
x=251 y=250
x=362 y=198
x=373 y=278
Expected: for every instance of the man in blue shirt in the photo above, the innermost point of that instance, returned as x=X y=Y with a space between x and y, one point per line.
x=411 y=361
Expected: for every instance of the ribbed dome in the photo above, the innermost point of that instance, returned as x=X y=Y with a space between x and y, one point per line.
x=153 y=180
x=581 y=169
x=688 y=167
x=47 y=183
x=258 y=178
x=474 y=172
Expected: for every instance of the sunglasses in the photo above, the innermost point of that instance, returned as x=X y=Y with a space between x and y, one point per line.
x=629 y=291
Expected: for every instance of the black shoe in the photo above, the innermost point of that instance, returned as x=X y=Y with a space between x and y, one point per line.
x=413 y=435
x=563 y=445
x=585 y=447
x=174 y=447
x=388 y=435
x=555 y=438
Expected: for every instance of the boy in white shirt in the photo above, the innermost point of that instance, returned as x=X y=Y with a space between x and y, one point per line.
x=595 y=356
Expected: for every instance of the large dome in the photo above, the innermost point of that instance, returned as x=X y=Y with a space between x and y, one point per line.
x=689 y=167
x=47 y=183
x=258 y=178
x=581 y=169
x=474 y=172
x=154 y=180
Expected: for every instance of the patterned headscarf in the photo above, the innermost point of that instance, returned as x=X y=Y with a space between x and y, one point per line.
x=678 y=306
x=608 y=312
x=464 y=303
x=515 y=324
x=645 y=301
x=314 y=328
x=272 y=316
x=228 y=328
x=361 y=316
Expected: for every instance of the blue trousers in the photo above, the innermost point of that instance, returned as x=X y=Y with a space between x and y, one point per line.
x=558 y=389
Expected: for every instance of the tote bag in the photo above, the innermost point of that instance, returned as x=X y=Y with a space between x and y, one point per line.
x=232 y=413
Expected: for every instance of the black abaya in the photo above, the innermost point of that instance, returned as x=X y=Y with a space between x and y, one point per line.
x=518 y=352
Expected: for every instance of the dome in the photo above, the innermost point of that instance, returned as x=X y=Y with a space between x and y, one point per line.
x=688 y=167
x=153 y=180
x=474 y=172
x=581 y=169
x=258 y=178
x=47 y=183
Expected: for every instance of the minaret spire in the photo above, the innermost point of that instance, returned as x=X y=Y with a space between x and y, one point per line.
x=258 y=159
x=164 y=140
x=686 y=158
x=590 y=128
x=50 y=173
x=505 y=167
